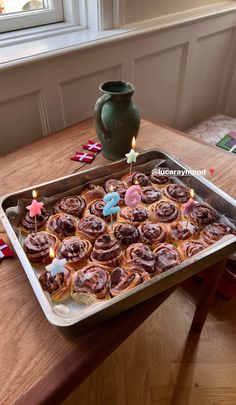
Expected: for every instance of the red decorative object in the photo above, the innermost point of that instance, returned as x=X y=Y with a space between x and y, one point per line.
x=5 y=251
x=83 y=157
x=93 y=146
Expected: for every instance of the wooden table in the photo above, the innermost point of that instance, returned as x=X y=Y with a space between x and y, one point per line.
x=38 y=363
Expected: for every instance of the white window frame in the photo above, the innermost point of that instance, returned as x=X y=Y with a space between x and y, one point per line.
x=32 y=18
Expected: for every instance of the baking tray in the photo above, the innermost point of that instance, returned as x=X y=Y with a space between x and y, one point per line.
x=71 y=315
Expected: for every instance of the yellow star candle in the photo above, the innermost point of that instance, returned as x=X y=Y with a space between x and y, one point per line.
x=132 y=155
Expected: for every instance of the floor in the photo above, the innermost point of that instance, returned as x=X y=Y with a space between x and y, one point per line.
x=161 y=364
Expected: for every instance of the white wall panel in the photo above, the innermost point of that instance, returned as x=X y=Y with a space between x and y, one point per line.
x=208 y=73
x=181 y=75
x=21 y=121
x=157 y=79
x=79 y=95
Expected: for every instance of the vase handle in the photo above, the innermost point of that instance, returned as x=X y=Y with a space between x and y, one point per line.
x=98 y=114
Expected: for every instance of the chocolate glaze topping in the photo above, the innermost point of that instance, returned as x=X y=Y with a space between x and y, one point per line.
x=37 y=246
x=137 y=214
x=177 y=193
x=51 y=283
x=29 y=222
x=158 y=179
x=74 y=205
x=140 y=254
x=182 y=230
x=202 y=214
x=62 y=224
x=96 y=208
x=167 y=256
x=92 y=279
x=213 y=232
x=150 y=195
x=192 y=247
x=92 y=226
x=124 y=280
x=152 y=233
x=164 y=211
x=73 y=249
x=126 y=233
x=106 y=249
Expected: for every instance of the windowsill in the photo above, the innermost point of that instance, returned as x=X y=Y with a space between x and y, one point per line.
x=61 y=38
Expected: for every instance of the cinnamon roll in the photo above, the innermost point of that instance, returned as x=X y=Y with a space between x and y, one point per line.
x=139 y=255
x=90 y=283
x=28 y=222
x=136 y=178
x=92 y=192
x=158 y=179
x=135 y=215
x=91 y=227
x=152 y=233
x=164 y=211
x=183 y=230
x=75 y=250
x=190 y=248
x=106 y=251
x=203 y=214
x=58 y=286
x=125 y=233
x=150 y=195
x=118 y=186
x=62 y=225
x=74 y=205
x=177 y=193
x=166 y=256
x=37 y=246
x=125 y=280
x=214 y=232
x=96 y=208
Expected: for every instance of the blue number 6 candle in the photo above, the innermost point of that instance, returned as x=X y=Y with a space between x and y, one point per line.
x=111 y=199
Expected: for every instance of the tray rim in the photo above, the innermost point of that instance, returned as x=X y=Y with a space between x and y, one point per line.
x=57 y=320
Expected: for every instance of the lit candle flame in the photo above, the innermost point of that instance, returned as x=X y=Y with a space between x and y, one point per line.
x=34 y=194
x=111 y=189
x=51 y=253
x=136 y=182
x=133 y=142
x=191 y=193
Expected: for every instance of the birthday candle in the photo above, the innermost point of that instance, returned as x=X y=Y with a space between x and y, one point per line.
x=57 y=266
x=133 y=196
x=35 y=208
x=189 y=206
x=132 y=155
x=111 y=199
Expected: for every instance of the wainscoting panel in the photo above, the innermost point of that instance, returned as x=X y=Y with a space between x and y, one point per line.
x=79 y=95
x=210 y=64
x=182 y=74
x=21 y=121
x=157 y=79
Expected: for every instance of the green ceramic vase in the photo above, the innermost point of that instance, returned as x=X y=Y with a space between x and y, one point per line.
x=117 y=119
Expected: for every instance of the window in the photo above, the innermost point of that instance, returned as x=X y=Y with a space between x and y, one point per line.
x=18 y=14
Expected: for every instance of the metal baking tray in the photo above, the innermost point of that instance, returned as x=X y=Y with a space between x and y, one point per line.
x=73 y=314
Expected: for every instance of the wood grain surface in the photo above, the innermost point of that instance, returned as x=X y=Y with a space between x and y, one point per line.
x=34 y=355
x=161 y=363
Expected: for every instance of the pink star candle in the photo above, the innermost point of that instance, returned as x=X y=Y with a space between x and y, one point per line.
x=133 y=196
x=189 y=206
x=35 y=208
